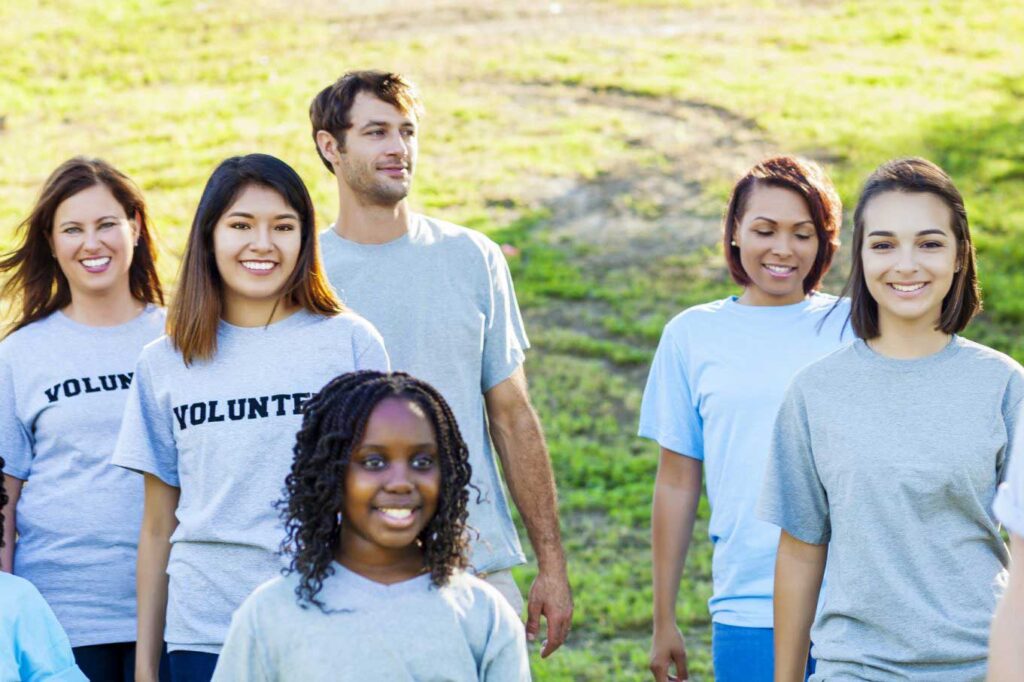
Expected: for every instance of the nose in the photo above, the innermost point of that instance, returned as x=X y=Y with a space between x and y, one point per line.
x=907 y=261
x=398 y=481
x=261 y=239
x=782 y=245
x=397 y=144
x=92 y=240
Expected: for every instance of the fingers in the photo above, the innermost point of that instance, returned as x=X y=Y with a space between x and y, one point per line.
x=682 y=671
x=659 y=669
x=534 y=607
x=558 y=630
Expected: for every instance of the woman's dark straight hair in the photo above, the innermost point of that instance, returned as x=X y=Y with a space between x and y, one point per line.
x=196 y=311
x=915 y=175
x=36 y=286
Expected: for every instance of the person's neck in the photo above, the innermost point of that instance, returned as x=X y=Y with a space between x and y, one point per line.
x=256 y=314
x=370 y=223
x=754 y=296
x=908 y=340
x=106 y=309
x=386 y=568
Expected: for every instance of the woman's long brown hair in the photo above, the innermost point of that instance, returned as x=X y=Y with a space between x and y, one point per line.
x=35 y=286
x=195 y=313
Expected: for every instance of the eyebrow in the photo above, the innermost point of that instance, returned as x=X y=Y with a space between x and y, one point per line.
x=428 y=444
x=403 y=124
x=75 y=222
x=886 y=233
x=775 y=222
x=242 y=214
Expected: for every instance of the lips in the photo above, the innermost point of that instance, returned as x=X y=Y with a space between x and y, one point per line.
x=99 y=264
x=397 y=518
x=258 y=267
x=907 y=289
x=779 y=271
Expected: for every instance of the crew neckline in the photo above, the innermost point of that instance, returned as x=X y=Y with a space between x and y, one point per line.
x=298 y=318
x=397 y=242
x=370 y=588
x=62 y=319
x=815 y=299
x=947 y=352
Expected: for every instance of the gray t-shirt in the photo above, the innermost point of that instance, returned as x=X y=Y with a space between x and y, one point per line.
x=442 y=298
x=223 y=431
x=407 y=632
x=1009 y=504
x=63 y=387
x=894 y=464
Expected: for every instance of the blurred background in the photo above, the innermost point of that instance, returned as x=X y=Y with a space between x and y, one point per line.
x=596 y=140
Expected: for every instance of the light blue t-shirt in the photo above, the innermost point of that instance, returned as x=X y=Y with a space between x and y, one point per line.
x=410 y=631
x=718 y=378
x=1009 y=503
x=223 y=431
x=442 y=298
x=63 y=387
x=33 y=646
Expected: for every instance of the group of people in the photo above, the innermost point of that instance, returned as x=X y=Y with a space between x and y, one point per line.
x=241 y=488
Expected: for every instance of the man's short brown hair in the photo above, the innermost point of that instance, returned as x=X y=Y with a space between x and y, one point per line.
x=330 y=109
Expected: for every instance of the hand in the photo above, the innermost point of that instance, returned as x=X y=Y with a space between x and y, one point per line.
x=551 y=597
x=667 y=648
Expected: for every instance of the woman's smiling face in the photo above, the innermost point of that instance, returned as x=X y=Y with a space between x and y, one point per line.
x=909 y=255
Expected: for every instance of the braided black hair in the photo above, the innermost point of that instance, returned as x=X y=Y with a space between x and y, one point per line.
x=3 y=499
x=333 y=424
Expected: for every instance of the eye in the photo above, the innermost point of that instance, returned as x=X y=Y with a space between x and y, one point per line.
x=239 y=226
x=408 y=132
x=376 y=132
x=373 y=463
x=804 y=237
x=423 y=462
x=71 y=229
x=880 y=246
x=932 y=245
x=284 y=227
x=107 y=223
x=764 y=233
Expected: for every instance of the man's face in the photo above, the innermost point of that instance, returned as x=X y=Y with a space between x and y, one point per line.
x=378 y=154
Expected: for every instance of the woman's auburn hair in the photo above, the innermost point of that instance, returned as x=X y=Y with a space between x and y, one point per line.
x=807 y=179
x=914 y=175
x=36 y=286
x=196 y=310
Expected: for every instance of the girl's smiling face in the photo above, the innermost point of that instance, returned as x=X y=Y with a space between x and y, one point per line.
x=392 y=486
x=909 y=256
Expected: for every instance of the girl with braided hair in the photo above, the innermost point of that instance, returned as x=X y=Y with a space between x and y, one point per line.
x=375 y=514
x=33 y=645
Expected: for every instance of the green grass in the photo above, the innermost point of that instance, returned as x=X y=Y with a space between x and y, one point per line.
x=166 y=89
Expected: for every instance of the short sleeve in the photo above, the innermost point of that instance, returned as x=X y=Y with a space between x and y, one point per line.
x=505 y=339
x=16 y=445
x=792 y=495
x=505 y=657
x=370 y=351
x=1009 y=502
x=243 y=656
x=146 y=440
x=668 y=414
x=41 y=647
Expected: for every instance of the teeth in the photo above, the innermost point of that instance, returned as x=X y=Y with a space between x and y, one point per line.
x=907 y=287
x=395 y=513
x=781 y=269
x=95 y=262
x=257 y=265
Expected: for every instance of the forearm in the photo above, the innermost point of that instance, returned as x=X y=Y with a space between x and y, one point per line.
x=673 y=514
x=799 y=568
x=151 y=590
x=1006 y=656
x=527 y=467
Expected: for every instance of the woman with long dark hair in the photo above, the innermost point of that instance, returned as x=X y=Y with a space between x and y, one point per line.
x=253 y=332
x=84 y=297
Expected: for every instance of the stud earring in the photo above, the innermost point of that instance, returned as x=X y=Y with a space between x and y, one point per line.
x=733 y=243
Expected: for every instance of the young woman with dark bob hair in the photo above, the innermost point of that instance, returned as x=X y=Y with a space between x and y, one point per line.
x=717 y=380
x=253 y=332
x=886 y=456
x=84 y=297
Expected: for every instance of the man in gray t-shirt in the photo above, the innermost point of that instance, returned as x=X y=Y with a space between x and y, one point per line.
x=442 y=297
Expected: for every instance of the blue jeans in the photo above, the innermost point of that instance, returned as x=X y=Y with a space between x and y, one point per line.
x=744 y=654
x=113 y=662
x=192 y=666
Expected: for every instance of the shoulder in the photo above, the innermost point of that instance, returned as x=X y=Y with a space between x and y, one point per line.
x=28 y=337
x=273 y=596
x=347 y=322
x=158 y=351
x=18 y=594
x=974 y=352
x=456 y=238
x=478 y=595
x=823 y=370
x=698 y=319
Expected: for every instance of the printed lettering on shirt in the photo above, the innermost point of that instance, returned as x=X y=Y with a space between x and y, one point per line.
x=69 y=388
x=237 y=409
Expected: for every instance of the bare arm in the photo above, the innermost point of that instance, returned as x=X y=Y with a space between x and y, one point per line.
x=519 y=441
x=1006 y=656
x=799 y=568
x=676 y=495
x=158 y=523
x=10 y=511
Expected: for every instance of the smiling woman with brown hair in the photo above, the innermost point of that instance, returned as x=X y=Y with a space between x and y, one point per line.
x=717 y=380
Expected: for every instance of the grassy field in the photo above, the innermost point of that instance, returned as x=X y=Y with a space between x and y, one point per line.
x=600 y=138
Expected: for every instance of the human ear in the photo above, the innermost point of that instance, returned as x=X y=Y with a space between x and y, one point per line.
x=328 y=146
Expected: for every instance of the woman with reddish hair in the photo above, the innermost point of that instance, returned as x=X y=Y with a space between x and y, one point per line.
x=717 y=380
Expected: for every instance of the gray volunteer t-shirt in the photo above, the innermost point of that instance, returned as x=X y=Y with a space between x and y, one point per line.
x=894 y=464
x=442 y=297
x=63 y=387
x=223 y=431
x=407 y=632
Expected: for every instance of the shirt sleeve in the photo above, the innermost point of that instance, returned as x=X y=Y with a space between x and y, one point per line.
x=1009 y=502
x=668 y=413
x=370 y=351
x=16 y=446
x=505 y=340
x=792 y=495
x=41 y=646
x=505 y=657
x=146 y=441
x=243 y=658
